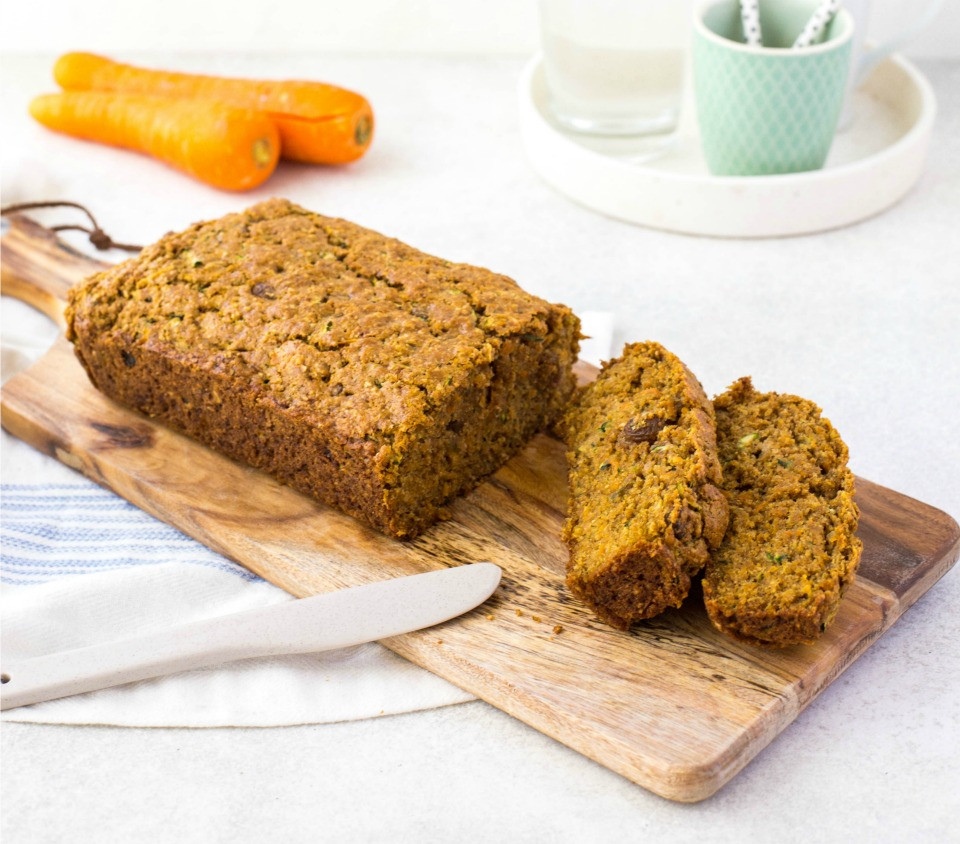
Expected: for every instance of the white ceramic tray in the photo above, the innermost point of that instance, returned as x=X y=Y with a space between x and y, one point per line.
x=872 y=164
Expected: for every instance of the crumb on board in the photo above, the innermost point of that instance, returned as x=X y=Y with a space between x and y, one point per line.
x=536 y=618
x=489 y=616
x=558 y=628
x=439 y=641
x=519 y=612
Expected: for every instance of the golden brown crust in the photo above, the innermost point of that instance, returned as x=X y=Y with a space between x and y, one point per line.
x=791 y=550
x=644 y=506
x=357 y=369
x=639 y=583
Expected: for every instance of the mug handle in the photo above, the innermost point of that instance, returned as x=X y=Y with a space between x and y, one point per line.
x=874 y=55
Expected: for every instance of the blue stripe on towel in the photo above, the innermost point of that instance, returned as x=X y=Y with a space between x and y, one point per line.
x=11 y=507
x=78 y=533
x=53 y=531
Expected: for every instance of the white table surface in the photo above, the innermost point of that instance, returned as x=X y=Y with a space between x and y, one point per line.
x=862 y=320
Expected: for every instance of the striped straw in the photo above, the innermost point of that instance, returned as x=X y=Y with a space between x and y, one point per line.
x=750 y=15
x=813 y=31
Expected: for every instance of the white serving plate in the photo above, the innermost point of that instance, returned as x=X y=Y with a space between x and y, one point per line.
x=872 y=164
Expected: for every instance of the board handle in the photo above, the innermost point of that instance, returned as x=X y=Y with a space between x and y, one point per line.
x=39 y=268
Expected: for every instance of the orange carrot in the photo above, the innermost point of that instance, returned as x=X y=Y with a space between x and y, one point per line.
x=227 y=147
x=318 y=123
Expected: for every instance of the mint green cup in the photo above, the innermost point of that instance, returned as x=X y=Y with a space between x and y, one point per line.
x=770 y=109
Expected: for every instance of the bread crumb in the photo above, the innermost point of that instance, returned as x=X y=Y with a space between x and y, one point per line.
x=519 y=612
x=439 y=641
x=558 y=628
x=536 y=618
x=489 y=616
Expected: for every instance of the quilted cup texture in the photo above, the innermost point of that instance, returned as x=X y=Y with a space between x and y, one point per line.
x=769 y=111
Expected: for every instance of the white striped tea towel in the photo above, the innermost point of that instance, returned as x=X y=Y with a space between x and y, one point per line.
x=82 y=566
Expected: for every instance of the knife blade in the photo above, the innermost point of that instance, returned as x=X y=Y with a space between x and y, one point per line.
x=308 y=625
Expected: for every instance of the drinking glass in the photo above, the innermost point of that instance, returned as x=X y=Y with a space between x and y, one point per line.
x=615 y=67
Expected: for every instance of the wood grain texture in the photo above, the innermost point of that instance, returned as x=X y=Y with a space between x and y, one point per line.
x=672 y=705
x=37 y=267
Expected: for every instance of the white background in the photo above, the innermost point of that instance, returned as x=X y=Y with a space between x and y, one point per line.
x=863 y=320
x=433 y=26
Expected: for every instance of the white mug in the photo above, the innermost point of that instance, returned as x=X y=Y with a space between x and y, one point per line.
x=863 y=59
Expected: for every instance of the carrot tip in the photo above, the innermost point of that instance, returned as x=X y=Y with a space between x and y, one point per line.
x=362 y=132
x=262 y=153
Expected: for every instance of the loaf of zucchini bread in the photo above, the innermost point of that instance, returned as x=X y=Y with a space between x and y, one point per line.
x=367 y=374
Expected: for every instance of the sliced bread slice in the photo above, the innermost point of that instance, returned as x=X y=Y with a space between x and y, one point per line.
x=644 y=506
x=791 y=549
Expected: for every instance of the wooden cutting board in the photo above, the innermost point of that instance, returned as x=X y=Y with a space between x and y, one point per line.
x=673 y=705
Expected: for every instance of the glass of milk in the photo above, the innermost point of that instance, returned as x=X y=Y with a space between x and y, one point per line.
x=615 y=67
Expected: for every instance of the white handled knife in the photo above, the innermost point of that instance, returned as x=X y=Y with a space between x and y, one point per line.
x=309 y=625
